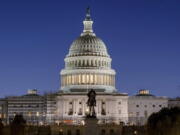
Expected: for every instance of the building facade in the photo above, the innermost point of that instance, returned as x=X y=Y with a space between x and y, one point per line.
x=142 y=105
x=174 y=102
x=31 y=106
x=3 y=110
x=51 y=108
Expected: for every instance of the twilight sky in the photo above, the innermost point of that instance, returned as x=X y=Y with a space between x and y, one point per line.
x=142 y=37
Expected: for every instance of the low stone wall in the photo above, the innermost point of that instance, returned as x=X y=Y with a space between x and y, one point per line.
x=105 y=129
x=134 y=130
x=29 y=130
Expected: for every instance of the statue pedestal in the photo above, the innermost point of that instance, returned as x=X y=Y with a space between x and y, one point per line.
x=91 y=126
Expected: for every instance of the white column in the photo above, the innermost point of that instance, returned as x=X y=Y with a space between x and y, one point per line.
x=107 y=107
x=78 y=106
x=82 y=102
x=64 y=106
x=99 y=107
x=74 y=109
x=76 y=103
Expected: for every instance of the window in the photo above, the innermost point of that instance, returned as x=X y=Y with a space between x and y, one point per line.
x=119 y=111
x=137 y=114
x=153 y=105
x=14 y=113
x=80 y=111
x=130 y=114
x=145 y=106
x=137 y=105
x=103 y=112
x=119 y=102
x=70 y=111
x=160 y=105
x=29 y=114
x=145 y=114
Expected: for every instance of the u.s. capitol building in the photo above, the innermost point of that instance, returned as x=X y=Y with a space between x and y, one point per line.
x=87 y=66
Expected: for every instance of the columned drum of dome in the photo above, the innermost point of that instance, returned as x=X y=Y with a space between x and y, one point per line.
x=88 y=64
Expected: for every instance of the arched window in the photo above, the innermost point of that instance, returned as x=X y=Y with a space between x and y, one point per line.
x=92 y=63
x=88 y=62
x=96 y=63
x=145 y=114
x=83 y=63
x=99 y=63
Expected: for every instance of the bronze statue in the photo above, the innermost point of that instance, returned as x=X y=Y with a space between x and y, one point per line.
x=91 y=103
x=88 y=16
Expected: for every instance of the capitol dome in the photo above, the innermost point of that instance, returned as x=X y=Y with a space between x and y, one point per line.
x=88 y=45
x=88 y=64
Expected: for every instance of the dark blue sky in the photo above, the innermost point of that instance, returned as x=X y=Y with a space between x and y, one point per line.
x=142 y=37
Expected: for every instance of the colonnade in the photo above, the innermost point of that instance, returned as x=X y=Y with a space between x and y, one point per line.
x=79 y=107
x=88 y=79
x=87 y=63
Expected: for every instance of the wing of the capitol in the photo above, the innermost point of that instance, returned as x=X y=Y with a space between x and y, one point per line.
x=87 y=66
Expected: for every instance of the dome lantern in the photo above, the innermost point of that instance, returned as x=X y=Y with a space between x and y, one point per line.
x=88 y=24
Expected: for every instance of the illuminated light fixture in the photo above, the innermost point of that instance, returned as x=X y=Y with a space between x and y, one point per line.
x=87 y=110
x=83 y=122
x=37 y=114
x=29 y=114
